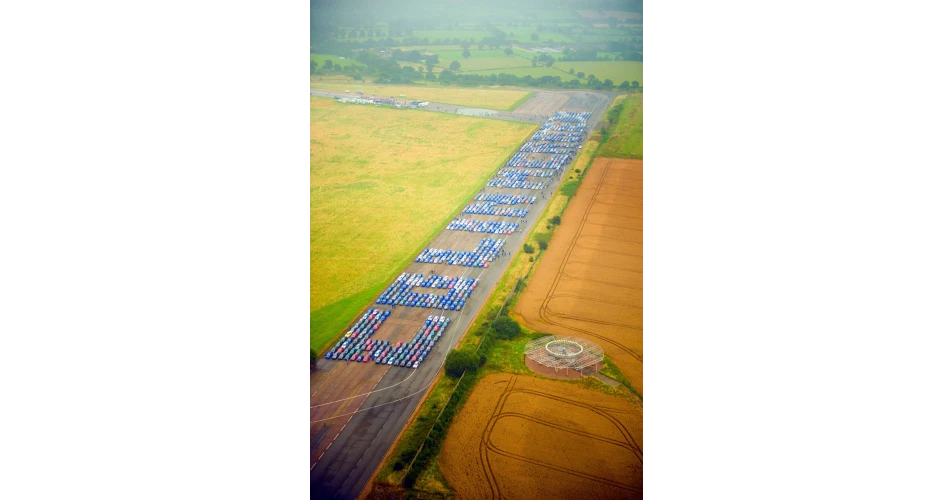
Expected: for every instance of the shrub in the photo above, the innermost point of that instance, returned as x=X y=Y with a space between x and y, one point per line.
x=527 y=248
x=398 y=465
x=577 y=171
x=543 y=245
x=555 y=220
x=458 y=362
x=506 y=328
x=531 y=259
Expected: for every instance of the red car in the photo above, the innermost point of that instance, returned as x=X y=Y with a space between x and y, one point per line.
x=366 y=358
x=353 y=356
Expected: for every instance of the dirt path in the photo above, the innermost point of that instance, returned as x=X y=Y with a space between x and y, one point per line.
x=589 y=283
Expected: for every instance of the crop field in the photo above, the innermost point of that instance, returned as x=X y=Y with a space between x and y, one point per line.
x=626 y=140
x=383 y=182
x=616 y=71
x=446 y=56
x=589 y=282
x=526 y=437
x=478 y=98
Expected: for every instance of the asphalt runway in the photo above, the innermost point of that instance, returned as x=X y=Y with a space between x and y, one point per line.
x=351 y=435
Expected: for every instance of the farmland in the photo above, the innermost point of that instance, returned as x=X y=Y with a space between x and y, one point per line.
x=383 y=182
x=616 y=71
x=478 y=98
x=589 y=283
x=525 y=437
x=626 y=140
x=525 y=70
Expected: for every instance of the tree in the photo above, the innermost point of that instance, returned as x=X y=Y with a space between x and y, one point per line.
x=328 y=64
x=609 y=83
x=508 y=51
x=580 y=74
x=543 y=245
x=313 y=66
x=555 y=221
x=572 y=71
x=480 y=46
x=624 y=85
x=466 y=53
x=534 y=36
x=313 y=356
x=454 y=66
x=549 y=63
x=458 y=362
x=337 y=67
x=506 y=328
x=528 y=248
x=591 y=77
x=465 y=45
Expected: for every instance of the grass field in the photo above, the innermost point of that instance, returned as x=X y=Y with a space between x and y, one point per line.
x=528 y=70
x=626 y=140
x=524 y=34
x=616 y=71
x=320 y=58
x=448 y=55
x=383 y=182
x=451 y=34
x=478 y=98
x=484 y=63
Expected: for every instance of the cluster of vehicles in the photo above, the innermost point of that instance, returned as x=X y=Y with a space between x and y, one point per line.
x=361 y=349
x=522 y=174
x=350 y=346
x=556 y=136
x=515 y=184
x=399 y=294
x=485 y=252
x=483 y=226
x=412 y=353
x=521 y=160
x=506 y=199
x=551 y=148
x=571 y=116
x=490 y=208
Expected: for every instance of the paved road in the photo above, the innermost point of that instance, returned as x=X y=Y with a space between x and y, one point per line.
x=344 y=468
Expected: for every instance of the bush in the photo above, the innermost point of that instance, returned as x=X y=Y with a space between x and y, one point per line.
x=555 y=221
x=527 y=248
x=577 y=171
x=506 y=328
x=398 y=465
x=458 y=362
x=543 y=245
x=531 y=259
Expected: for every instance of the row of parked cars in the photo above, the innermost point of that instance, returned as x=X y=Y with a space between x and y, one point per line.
x=490 y=208
x=485 y=252
x=556 y=136
x=514 y=184
x=506 y=199
x=349 y=347
x=483 y=226
x=521 y=160
x=399 y=294
x=412 y=353
x=523 y=174
x=570 y=116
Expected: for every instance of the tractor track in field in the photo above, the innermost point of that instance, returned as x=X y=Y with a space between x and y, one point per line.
x=486 y=444
x=546 y=314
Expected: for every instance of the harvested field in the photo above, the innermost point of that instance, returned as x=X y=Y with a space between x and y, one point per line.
x=477 y=98
x=525 y=437
x=589 y=282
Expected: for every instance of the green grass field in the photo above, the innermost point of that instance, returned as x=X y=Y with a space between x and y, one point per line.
x=462 y=34
x=616 y=71
x=626 y=140
x=524 y=34
x=383 y=183
x=320 y=58
x=529 y=70
x=478 y=98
